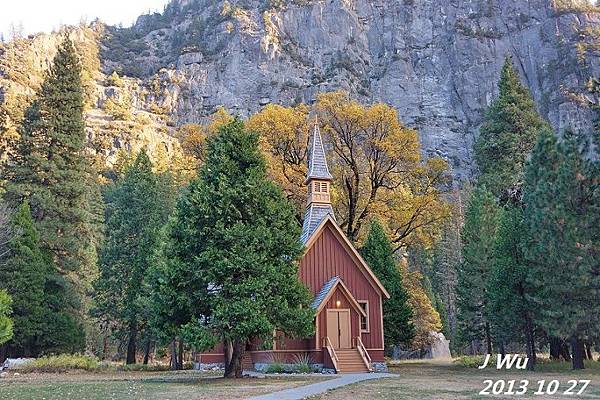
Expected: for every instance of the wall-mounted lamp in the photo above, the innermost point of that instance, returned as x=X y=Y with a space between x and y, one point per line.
x=338 y=304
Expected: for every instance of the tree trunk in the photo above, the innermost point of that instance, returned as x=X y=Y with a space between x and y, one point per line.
x=180 y=359
x=233 y=358
x=147 y=352
x=104 y=348
x=502 y=349
x=227 y=354
x=530 y=339
x=488 y=338
x=131 y=345
x=578 y=353
x=555 y=345
x=174 y=362
x=588 y=350
x=3 y=351
x=564 y=351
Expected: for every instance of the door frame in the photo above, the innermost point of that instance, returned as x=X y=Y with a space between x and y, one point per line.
x=349 y=325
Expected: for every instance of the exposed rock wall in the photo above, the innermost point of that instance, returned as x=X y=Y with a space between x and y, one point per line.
x=437 y=62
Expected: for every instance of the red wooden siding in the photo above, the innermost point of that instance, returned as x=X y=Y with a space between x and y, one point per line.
x=327 y=258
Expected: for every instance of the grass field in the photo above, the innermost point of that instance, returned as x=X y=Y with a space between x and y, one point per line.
x=187 y=385
x=417 y=380
x=445 y=381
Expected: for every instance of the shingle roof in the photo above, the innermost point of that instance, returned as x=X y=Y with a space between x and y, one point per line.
x=317 y=163
x=313 y=217
x=323 y=292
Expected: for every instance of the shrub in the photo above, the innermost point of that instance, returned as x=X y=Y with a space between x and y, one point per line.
x=473 y=361
x=302 y=363
x=115 y=80
x=63 y=363
x=275 y=368
x=303 y=368
x=145 y=367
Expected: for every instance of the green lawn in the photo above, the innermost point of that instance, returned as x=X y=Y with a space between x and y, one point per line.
x=445 y=381
x=417 y=380
x=147 y=386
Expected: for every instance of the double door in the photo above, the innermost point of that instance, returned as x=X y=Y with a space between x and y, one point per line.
x=338 y=328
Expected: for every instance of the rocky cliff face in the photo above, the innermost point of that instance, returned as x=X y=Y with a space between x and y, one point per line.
x=437 y=62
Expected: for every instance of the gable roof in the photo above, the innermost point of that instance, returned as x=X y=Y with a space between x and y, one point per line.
x=324 y=292
x=360 y=262
x=329 y=289
x=317 y=164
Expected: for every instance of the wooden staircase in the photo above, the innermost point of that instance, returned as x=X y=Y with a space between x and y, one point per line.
x=350 y=361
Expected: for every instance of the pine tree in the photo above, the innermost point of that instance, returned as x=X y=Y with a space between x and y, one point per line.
x=6 y=323
x=39 y=294
x=507 y=135
x=510 y=310
x=378 y=253
x=52 y=172
x=478 y=238
x=562 y=217
x=236 y=242
x=137 y=208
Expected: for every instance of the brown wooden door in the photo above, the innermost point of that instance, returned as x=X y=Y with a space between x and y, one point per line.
x=338 y=328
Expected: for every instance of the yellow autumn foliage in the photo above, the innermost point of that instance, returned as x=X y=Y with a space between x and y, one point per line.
x=375 y=160
x=192 y=138
x=425 y=318
x=284 y=135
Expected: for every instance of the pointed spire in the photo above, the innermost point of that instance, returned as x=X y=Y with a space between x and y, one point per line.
x=318 y=181
x=317 y=162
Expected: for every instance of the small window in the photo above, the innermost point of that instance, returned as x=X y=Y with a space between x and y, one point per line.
x=364 y=321
x=324 y=187
x=317 y=187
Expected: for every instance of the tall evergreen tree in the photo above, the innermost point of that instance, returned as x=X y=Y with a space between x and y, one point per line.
x=136 y=212
x=562 y=217
x=237 y=246
x=39 y=295
x=6 y=323
x=510 y=311
x=507 y=135
x=478 y=238
x=53 y=173
x=379 y=254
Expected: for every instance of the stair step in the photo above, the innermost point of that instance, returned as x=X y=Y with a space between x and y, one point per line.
x=350 y=361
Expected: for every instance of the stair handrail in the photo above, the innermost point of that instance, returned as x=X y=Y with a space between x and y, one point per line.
x=332 y=354
x=363 y=353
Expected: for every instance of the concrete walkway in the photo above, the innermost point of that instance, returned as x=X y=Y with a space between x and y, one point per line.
x=321 y=387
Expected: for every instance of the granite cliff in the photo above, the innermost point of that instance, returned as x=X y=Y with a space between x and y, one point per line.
x=437 y=62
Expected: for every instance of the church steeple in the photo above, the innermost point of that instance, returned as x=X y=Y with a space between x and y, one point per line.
x=318 y=178
x=318 y=182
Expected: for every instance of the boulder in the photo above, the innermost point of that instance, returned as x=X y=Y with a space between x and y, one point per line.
x=439 y=349
x=15 y=362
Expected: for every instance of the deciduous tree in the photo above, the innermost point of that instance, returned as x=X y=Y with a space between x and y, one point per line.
x=376 y=163
x=284 y=140
x=425 y=318
x=193 y=137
